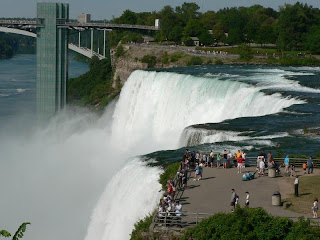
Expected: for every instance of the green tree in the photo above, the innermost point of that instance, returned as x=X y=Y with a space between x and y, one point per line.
x=294 y=22
x=218 y=33
x=208 y=19
x=176 y=34
x=312 y=39
x=188 y=11
x=168 y=21
x=193 y=29
x=128 y=17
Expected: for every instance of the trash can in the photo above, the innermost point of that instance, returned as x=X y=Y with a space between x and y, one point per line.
x=272 y=172
x=276 y=199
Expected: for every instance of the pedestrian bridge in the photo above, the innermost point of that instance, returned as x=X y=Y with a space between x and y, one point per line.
x=51 y=29
x=81 y=50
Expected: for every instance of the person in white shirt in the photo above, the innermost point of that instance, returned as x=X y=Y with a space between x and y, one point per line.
x=247 y=199
x=296 y=187
x=261 y=167
x=178 y=209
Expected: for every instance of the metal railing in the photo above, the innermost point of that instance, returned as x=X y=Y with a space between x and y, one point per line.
x=164 y=220
x=62 y=24
x=107 y=26
x=297 y=162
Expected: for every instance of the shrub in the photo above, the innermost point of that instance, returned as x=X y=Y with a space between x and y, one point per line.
x=169 y=173
x=245 y=52
x=195 y=61
x=165 y=58
x=150 y=60
x=140 y=227
x=209 y=61
x=251 y=223
x=119 y=51
x=218 y=62
x=176 y=56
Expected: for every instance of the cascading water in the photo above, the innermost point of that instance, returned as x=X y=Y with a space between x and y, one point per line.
x=63 y=168
x=153 y=110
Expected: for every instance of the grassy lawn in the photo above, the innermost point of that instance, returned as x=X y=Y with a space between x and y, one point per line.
x=308 y=189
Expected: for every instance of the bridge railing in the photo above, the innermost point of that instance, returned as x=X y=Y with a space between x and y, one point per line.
x=107 y=25
x=297 y=162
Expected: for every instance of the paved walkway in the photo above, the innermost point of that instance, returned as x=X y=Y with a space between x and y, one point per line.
x=212 y=194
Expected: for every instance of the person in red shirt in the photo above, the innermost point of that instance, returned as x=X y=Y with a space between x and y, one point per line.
x=240 y=160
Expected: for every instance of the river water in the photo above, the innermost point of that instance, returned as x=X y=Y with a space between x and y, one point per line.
x=84 y=176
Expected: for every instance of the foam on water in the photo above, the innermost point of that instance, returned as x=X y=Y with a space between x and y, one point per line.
x=277 y=79
x=195 y=136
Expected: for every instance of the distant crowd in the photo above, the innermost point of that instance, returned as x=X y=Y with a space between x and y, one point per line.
x=198 y=160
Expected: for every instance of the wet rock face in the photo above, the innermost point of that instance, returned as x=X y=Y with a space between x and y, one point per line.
x=131 y=60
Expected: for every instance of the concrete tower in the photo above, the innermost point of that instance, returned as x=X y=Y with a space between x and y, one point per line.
x=52 y=58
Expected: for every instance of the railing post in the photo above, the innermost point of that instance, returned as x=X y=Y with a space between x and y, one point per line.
x=165 y=219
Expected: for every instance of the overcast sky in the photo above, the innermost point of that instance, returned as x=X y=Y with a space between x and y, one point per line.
x=105 y=9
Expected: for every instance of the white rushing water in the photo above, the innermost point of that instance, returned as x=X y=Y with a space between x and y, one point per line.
x=57 y=173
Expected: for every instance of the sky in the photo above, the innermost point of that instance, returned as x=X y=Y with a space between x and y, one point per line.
x=106 y=9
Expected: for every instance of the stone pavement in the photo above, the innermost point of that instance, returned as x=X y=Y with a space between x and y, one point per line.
x=212 y=194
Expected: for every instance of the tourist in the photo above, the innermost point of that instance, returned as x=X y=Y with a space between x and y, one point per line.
x=193 y=159
x=247 y=199
x=315 y=208
x=237 y=200
x=204 y=158
x=197 y=157
x=239 y=154
x=244 y=156
x=310 y=165
x=233 y=199
x=240 y=160
x=211 y=158
x=269 y=157
x=197 y=172
x=235 y=160
x=184 y=178
x=170 y=189
x=160 y=212
x=286 y=164
x=225 y=158
x=261 y=165
x=201 y=165
x=304 y=167
x=296 y=186
x=271 y=163
x=178 y=212
x=178 y=208
x=218 y=160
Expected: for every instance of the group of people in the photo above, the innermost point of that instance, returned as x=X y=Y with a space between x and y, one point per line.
x=202 y=159
x=235 y=199
x=169 y=206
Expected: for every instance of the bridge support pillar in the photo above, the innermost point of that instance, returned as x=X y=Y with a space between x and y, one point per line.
x=52 y=58
x=91 y=42
x=79 y=39
x=104 y=43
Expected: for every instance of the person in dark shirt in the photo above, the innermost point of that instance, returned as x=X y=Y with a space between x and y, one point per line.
x=310 y=165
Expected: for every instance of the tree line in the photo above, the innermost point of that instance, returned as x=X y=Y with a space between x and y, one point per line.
x=293 y=27
x=12 y=43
